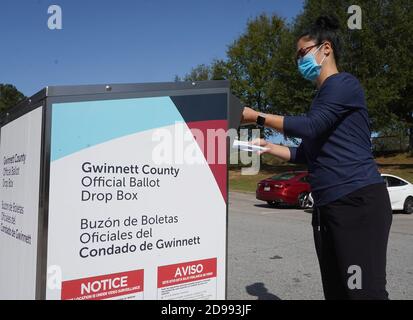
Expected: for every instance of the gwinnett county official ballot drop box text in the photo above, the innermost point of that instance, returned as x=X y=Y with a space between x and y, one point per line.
x=116 y=192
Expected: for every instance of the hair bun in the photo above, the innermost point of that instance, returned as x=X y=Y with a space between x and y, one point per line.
x=327 y=23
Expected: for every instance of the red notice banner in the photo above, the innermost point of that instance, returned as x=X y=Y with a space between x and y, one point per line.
x=186 y=272
x=103 y=287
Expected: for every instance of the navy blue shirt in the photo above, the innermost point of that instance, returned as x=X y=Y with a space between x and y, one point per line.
x=336 y=143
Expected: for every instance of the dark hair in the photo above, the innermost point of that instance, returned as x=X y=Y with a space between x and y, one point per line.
x=325 y=28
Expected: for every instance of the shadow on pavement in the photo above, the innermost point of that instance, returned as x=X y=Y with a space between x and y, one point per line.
x=259 y=290
x=400 y=212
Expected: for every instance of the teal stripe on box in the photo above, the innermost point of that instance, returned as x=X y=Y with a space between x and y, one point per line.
x=80 y=125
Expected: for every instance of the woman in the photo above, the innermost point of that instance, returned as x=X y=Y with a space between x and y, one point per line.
x=352 y=215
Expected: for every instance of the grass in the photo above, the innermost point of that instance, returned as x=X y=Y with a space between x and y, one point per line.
x=238 y=182
x=397 y=164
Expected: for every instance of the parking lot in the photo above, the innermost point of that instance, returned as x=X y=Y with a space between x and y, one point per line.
x=271 y=254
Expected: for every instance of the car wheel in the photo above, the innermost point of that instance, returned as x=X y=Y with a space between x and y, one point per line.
x=303 y=202
x=408 y=205
x=273 y=204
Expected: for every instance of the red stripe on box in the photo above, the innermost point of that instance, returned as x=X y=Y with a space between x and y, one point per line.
x=103 y=287
x=218 y=160
x=186 y=272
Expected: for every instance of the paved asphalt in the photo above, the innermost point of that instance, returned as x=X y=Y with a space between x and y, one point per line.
x=271 y=253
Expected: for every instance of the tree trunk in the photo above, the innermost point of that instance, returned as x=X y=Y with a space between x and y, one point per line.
x=411 y=139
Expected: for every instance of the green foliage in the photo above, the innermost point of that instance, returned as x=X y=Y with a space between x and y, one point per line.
x=264 y=74
x=253 y=59
x=251 y=63
x=256 y=67
x=204 y=72
x=9 y=96
x=201 y=72
x=380 y=55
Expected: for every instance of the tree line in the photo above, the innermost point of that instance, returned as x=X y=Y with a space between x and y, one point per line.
x=260 y=63
x=9 y=96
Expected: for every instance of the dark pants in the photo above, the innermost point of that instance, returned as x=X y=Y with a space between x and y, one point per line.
x=351 y=236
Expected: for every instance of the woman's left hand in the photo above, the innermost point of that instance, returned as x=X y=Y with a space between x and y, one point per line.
x=249 y=115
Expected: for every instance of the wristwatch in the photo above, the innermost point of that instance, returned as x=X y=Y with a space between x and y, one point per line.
x=260 y=120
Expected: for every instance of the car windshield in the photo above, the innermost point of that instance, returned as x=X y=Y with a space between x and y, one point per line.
x=284 y=176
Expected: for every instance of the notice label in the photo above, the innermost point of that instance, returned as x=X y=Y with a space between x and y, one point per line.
x=194 y=280
x=129 y=285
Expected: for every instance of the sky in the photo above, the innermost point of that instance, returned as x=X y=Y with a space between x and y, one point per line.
x=123 y=41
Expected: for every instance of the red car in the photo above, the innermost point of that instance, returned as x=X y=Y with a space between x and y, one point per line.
x=285 y=188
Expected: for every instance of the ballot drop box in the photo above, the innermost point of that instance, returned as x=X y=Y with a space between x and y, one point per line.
x=116 y=192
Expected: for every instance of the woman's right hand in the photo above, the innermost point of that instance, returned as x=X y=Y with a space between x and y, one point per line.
x=276 y=150
x=262 y=143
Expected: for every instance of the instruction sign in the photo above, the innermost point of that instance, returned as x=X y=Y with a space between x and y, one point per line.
x=133 y=198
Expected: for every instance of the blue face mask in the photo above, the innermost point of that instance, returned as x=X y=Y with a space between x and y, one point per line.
x=308 y=66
